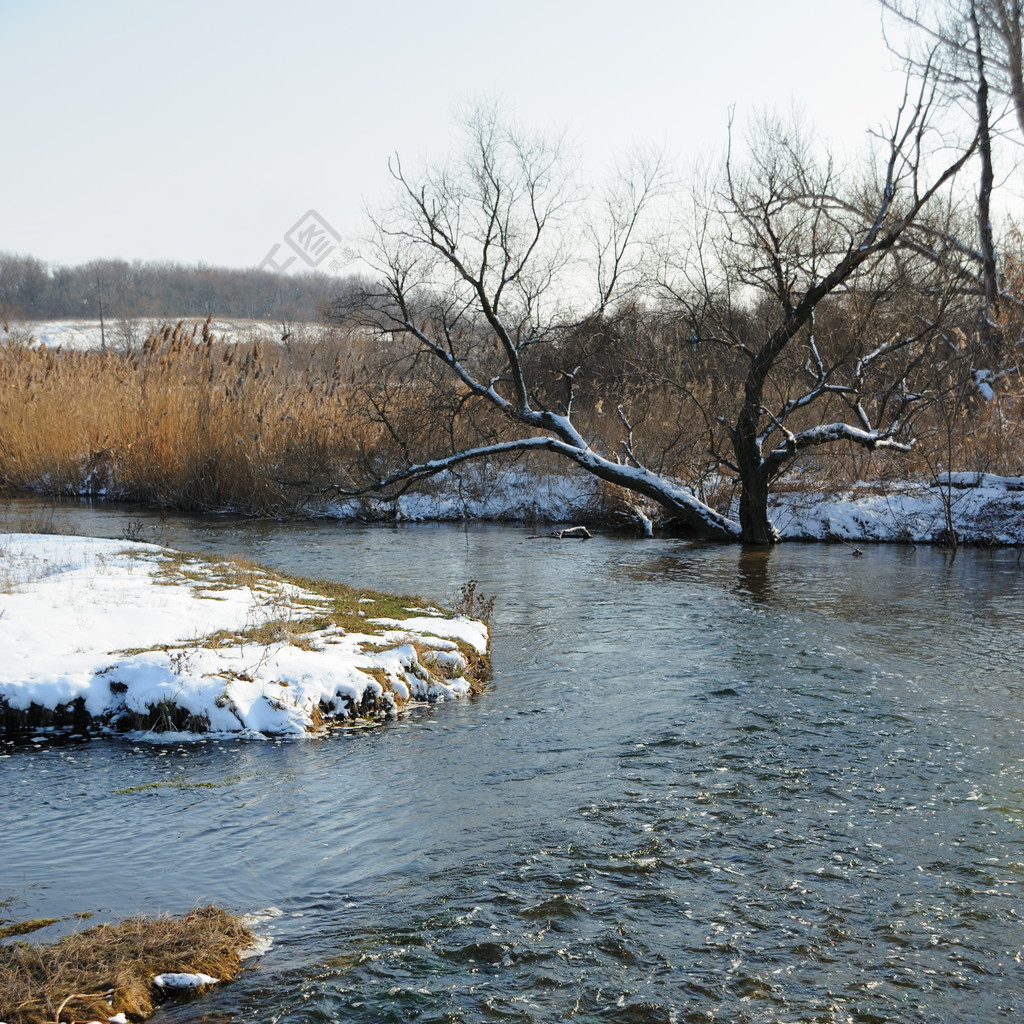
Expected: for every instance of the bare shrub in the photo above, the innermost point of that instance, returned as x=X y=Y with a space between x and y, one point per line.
x=473 y=603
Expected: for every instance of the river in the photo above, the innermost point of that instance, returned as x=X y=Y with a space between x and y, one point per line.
x=704 y=784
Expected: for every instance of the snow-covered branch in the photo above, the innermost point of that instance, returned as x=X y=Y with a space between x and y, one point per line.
x=828 y=433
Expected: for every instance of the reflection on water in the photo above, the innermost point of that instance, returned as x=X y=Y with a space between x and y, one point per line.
x=754 y=576
x=704 y=784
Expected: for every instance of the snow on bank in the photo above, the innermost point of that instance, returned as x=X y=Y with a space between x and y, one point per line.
x=983 y=508
x=138 y=636
x=484 y=492
x=184 y=981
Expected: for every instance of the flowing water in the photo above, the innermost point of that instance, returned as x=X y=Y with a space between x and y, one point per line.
x=703 y=784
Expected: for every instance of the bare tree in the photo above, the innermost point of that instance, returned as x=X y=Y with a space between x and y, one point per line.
x=973 y=48
x=1005 y=21
x=481 y=269
x=812 y=257
x=957 y=28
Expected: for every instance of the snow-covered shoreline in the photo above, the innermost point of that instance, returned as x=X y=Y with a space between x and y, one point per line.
x=119 y=636
x=981 y=509
x=984 y=509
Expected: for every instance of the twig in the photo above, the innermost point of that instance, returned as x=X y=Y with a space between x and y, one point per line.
x=79 y=995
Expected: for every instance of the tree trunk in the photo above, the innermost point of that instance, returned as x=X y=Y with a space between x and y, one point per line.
x=989 y=331
x=754 y=525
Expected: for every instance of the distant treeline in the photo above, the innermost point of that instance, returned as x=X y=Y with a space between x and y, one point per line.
x=31 y=289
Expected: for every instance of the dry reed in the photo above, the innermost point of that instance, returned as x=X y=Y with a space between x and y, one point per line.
x=194 y=424
x=107 y=970
x=186 y=422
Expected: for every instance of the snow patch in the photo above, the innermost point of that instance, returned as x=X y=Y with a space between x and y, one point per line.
x=984 y=509
x=184 y=981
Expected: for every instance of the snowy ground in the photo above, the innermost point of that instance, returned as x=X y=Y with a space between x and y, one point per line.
x=119 y=333
x=493 y=494
x=984 y=509
x=141 y=634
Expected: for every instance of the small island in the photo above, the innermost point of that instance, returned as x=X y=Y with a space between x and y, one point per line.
x=120 y=972
x=119 y=636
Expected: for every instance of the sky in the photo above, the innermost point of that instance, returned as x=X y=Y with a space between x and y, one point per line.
x=206 y=130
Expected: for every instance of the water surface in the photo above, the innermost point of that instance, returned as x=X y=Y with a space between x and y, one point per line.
x=704 y=784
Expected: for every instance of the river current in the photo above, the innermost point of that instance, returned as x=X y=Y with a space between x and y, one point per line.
x=703 y=784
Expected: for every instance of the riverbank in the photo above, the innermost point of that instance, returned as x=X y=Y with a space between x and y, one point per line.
x=191 y=423
x=978 y=508
x=966 y=508
x=111 y=635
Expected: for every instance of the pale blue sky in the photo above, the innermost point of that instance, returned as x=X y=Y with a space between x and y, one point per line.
x=203 y=129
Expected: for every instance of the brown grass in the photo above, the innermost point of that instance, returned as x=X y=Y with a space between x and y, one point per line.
x=25 y=927
x=97 y=973
x=194 y=424
x=187 y=422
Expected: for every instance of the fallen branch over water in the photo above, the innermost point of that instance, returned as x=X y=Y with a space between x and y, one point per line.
x=569 y=533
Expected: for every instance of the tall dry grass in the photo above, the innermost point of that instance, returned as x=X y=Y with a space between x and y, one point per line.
x=191 y=423
x=187 y=422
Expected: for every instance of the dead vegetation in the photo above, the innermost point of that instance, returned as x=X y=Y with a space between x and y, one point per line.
x=186 y=422
x=98 y=973
x=25 y=927
x=190 y=423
